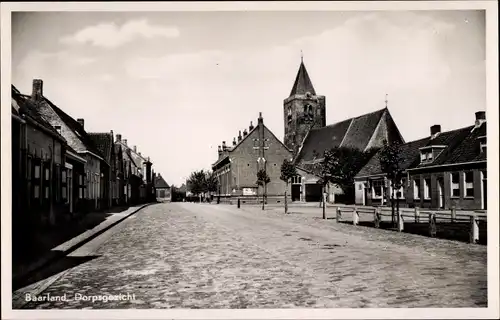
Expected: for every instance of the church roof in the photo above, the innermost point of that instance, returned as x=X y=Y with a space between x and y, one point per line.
x=354 y=133
x=302 y=83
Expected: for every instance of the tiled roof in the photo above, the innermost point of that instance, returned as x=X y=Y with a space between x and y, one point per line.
x=468 y=150
x=160 y=182
x=104 y=142
x=462 y=146
x=409 y=152
x=24 y=106
x=354 y=132
x=450 y=139
x=302 y=83
x=75 y=127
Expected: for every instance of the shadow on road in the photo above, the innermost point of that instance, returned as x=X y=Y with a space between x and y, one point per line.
x=61 y=264
x=457 y=231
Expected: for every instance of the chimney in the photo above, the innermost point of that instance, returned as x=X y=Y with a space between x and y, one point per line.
x=124 y=141
x=251 y=126
x=139 y=153
x=224 y=146
x=261 y=120
x=118 y=137
x=245 y=133
x=219 y=150
x=135 y=149
x=37 y=89
x=435 y=130
x=234 y=141
x=239 y=136
x=480 y=118
x=81 y=122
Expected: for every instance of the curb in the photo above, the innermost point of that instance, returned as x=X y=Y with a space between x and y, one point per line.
x=60 y=254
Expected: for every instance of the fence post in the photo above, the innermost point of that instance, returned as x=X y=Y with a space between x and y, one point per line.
x=355 y=217
x=432 y=224
x=377 y=217
x=339 y=214
x=400 y=222
x=474 y=229
x=453 y=214
x=417 y=215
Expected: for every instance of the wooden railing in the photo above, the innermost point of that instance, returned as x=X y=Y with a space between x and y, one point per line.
x=416 y=215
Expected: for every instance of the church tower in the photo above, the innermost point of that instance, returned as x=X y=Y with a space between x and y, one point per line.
x=303 y=110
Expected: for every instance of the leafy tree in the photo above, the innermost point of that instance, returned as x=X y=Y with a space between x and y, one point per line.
x=262 y=180
x=288 y=171
x=339 y=167
x=390 y=161
x=211 y=182
x=196 y=183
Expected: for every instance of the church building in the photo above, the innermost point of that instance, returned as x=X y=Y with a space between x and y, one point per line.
x=308 y=136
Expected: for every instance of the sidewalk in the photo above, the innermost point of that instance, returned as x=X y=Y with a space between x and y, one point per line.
x=94 y=223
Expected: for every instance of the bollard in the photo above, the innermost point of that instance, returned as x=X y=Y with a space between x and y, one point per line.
x=453 y=214
x=355 y=217
x=400 y=222
x=339 y=214
x=238 y=203
x=432 y=224
x=474 y=229
x=377 y=217
x=417 y=215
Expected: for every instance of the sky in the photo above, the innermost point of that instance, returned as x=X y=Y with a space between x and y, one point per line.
x=177 y=84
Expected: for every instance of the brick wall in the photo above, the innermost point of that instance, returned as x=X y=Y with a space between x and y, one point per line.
x=296 y=129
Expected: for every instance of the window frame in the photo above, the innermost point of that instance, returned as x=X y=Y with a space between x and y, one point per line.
x=455 y=185
x=416 y=189
x=470 y=183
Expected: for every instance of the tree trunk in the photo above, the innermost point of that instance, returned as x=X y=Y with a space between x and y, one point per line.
x=324 y=202
x=286 y=202
x=262 y=197
x=392 y=203
x=397 y=206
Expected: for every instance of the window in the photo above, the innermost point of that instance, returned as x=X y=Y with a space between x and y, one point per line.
x=416 y=189
x=423 y=156
x=297 y=180
x=63 y=176
x=455 y=184
x=64 y=194
x=46 y=192
x=427 y=188
x=429 y=156
x=37 y=172
x=469 y=184
x=36 y=192
x=47 y=174
x=483 y=147
x=400 y=193
x=377 y=189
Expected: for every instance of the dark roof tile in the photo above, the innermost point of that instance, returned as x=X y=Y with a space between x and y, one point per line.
x=103 y=142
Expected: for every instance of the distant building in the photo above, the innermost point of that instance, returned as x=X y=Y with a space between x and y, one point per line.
x=307 y=134
x=237 y=165
x=444 y=170
x=163 y=192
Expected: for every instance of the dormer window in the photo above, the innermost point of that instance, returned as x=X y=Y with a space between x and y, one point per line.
x=430 y=153
x=482 y=144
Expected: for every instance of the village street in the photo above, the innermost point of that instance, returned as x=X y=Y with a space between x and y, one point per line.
x=187 y=255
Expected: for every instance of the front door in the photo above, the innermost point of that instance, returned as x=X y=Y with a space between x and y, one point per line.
x=365 y=194
x=296 y=192
x=441 y=192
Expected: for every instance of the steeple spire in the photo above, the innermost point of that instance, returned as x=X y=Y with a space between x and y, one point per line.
x=302 y=82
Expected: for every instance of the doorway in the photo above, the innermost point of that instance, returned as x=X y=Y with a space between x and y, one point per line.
x=296 y=190
x=440 y=184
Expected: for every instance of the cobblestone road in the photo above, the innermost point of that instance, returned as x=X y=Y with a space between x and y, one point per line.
x=183 y=255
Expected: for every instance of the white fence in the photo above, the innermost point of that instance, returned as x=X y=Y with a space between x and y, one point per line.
x=416 y=215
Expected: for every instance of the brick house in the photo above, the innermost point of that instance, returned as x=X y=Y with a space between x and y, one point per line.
x=237 y=165
x=444 y=170
x=307 y=134
x=139 y=181
x=38 y=161
x=120 y=198
x=78 y=139
x=104 y=142
x=163 y=192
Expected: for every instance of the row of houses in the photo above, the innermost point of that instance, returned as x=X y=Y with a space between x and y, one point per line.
x=444 y=170
x=60 y=170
